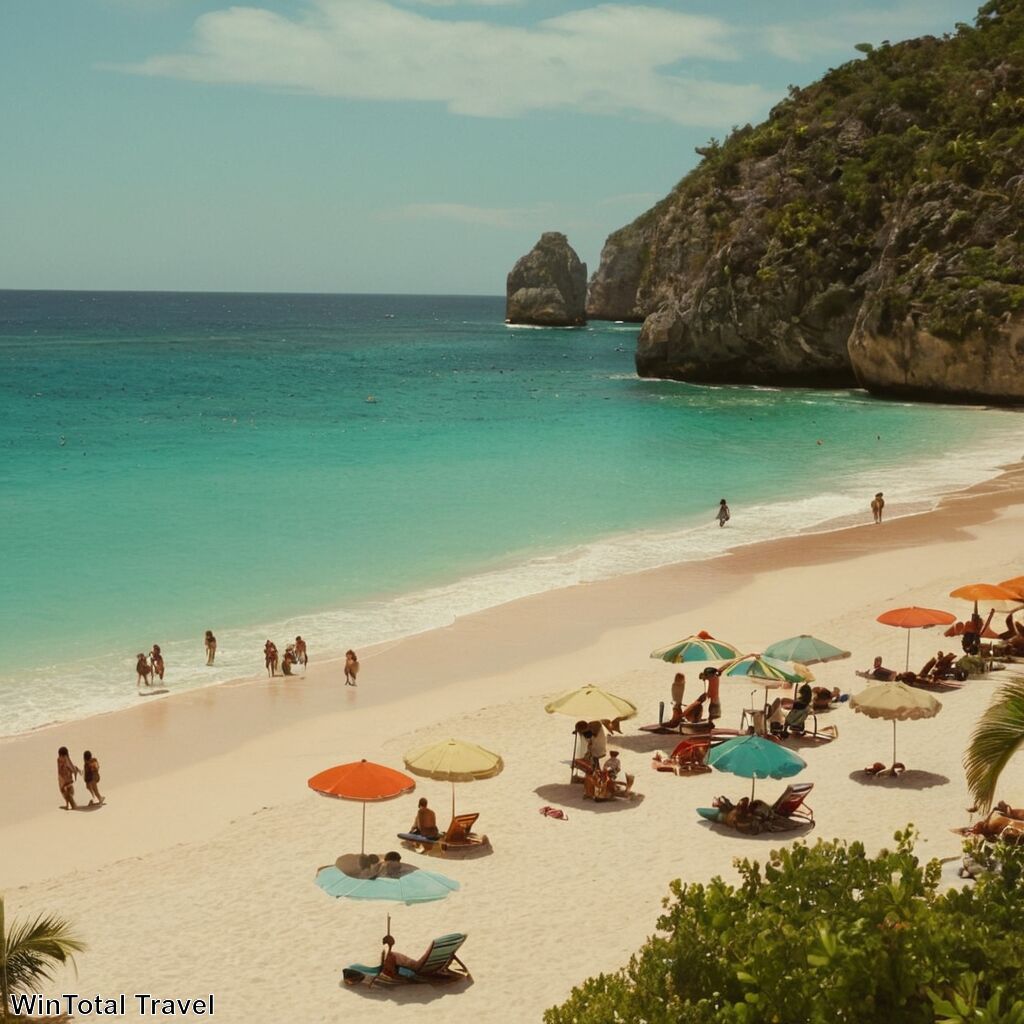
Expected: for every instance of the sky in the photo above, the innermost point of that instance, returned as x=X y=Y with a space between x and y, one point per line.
x=402 y=146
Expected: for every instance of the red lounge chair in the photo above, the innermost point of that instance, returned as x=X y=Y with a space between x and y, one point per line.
x=791 y=803
x=689 y=757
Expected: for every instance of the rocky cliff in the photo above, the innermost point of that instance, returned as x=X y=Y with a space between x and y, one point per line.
x=870 y=231
x=547 y=286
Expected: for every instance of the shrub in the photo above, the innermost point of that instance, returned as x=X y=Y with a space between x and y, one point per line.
x=824 y=933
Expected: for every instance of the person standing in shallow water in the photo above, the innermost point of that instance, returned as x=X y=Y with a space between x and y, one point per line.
x=210 y=643
x=724 y=514
x=877 y=504
x=351 y=668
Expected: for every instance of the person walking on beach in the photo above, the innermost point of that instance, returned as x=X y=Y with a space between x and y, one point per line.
x=723 y=513
x=91 y=775
x=210 y=643
x=877 y=504
x=351 y=668
x=156 y=660
x=301 y=654
x=143 y=670
x=270 y=657
x=66 y=772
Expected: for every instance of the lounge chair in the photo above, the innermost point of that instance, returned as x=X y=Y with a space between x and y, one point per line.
x=434 y=966
x=791 y=804
x=459 y=836
x=689 y=757
x=788 y=812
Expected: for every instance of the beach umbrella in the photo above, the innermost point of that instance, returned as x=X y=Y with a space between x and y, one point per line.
x=807 y=650
x=363 y=781
x=998 y=598
x=590 y=703
x=413 y=885
x=701 y=646
x=764 y=671
x=453 y=761
x=915 y=618
x=752 y=757
x=1016 y=585
x=895 y=702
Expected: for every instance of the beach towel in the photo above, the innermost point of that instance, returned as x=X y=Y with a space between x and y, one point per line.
x=554 y=812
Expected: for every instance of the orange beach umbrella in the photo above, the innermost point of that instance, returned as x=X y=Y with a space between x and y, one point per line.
x=915 y=618
x=1016 y=585
x=998 y=598
x=363 y=781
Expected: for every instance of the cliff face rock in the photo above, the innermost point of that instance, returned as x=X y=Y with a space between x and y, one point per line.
x=548 y=286
x=948 y=347
x=871 y=230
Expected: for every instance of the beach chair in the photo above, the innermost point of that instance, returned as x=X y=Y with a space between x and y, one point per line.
x=688 y=758
x=791 y=804
x=459 y=836
x=434 y=966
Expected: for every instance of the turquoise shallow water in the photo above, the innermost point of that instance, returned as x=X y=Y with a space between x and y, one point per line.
x=176 y=462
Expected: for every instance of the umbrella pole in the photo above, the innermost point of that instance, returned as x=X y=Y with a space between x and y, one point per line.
x=894 y=741
x=572 y=760
x=453 y=800
x=752 y=781
x=907 y=669
x=362 y=842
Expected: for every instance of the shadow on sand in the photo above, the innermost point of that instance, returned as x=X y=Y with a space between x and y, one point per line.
x=567 y=795
x=912 y=778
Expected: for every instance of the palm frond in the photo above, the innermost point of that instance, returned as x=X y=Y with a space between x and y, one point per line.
x=30 y=950
x=998 y=735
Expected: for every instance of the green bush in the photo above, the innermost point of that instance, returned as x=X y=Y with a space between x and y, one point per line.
x=824 y=933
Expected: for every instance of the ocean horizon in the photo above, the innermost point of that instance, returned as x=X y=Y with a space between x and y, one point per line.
x=357 y=468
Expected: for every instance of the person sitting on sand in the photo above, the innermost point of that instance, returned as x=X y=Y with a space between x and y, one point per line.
x=66 y=772
x=270 y=657
x=210 y=643
x=156 y=660
x=91 y=777
x=426 y=821
x=143 y=670
x=288 y=660
x=879 y=671
x=391 y=867
x=612 y=765
x=369 y=865
x=351 y=668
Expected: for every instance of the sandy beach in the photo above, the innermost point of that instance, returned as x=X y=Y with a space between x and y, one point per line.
x=197 y=876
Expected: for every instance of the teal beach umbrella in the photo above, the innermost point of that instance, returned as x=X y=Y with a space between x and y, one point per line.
x=699 y=647
x=752 y=757
x=412 y=886
x=762 y=669
x=808 y=650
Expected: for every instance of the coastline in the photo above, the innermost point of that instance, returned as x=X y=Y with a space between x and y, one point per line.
x=92 y=687
x=210 y=830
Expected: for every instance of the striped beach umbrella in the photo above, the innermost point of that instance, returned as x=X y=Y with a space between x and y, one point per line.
x=701 y=646
x=763 y=669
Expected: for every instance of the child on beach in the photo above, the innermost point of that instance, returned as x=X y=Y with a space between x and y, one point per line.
x=351 y=668
x=91 y=775
x=210 y=642
x=66 y=772
x=724 y=514
x=143 y=670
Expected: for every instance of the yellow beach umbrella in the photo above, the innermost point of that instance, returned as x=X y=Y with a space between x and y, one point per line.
x=895 y=702
x=453 y=761
x=591 y=703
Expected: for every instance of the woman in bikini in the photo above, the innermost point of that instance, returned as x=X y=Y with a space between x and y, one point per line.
x=210 y=643
x=351 y=668
x=66 y=772
x=270 y=657
x=142 y=669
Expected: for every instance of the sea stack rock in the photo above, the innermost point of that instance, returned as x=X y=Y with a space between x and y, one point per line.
x=548 y=286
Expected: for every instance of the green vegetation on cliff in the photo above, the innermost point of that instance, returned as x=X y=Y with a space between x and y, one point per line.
x=924 y=118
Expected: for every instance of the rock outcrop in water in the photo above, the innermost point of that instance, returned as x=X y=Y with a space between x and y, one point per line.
x=548 y=286
x=870 y=231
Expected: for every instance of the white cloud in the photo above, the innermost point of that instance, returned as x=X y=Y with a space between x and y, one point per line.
x=611 y=59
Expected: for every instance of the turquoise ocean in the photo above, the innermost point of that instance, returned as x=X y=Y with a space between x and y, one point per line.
x=361 y=468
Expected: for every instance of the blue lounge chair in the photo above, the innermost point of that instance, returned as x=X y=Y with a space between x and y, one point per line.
x=435 y=965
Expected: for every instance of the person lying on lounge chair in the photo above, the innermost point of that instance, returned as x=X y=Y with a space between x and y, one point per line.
x=879 y=671
x=694 y=712
x=994 y=825
x=824 y=698
x=391 y=959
